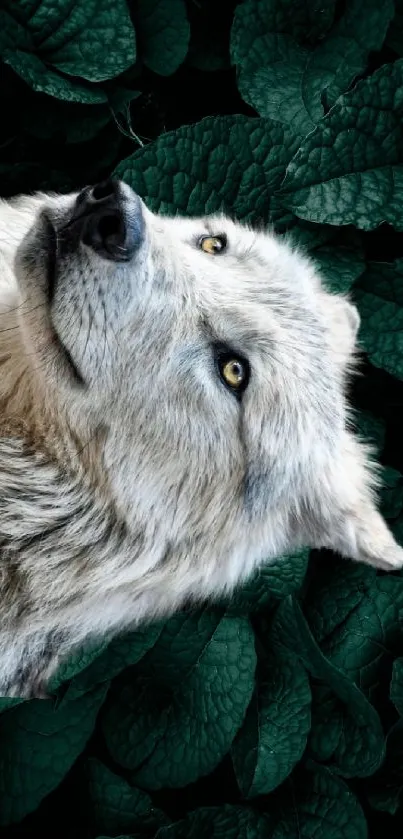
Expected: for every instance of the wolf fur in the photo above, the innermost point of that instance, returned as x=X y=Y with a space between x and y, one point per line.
x=132 y=481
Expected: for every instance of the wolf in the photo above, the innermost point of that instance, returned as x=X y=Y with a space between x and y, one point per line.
x=174 y=414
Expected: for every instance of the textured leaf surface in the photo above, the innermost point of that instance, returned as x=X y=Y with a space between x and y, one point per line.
x=227 y=163
x=395 y=33
x=306 y=21
x=44 y=80
x=355 y=616
x=91 y=667
x=273 y=736
x=179 y=721
x=275 y=580
x=39 y=744
x=317 y=805
x=287 y=81
x=164 y=33
x=349 y=170
x=115 y=806
x=385 y=791
x=90 y=39
x=339 y=267
x=219 y=823
x=379 y=296
x=360 y=743
x=396 y=687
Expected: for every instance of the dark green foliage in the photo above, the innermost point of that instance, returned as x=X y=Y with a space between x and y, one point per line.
x=279 y=714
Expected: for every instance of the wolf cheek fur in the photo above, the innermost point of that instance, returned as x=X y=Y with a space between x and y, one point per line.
x=132 y=478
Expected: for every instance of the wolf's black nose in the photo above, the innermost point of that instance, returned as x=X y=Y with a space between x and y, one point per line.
x=101 y=220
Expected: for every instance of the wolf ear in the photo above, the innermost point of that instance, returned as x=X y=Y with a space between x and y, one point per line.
x=346 y=516
x=362 y=534
x=343 y=323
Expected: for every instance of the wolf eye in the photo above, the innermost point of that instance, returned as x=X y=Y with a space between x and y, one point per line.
x=213 y=244
x=234 y=372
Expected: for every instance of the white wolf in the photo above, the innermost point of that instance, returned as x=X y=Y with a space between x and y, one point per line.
x=173 y=415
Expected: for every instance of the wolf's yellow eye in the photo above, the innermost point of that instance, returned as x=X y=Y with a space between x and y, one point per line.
x=213 y=244
x=234 y=373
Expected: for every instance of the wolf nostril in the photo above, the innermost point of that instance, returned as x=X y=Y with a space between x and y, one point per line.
x=105 y=231
x=110 y=227
x=105 y=189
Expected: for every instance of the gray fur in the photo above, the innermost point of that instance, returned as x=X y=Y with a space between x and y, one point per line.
x=147 y=484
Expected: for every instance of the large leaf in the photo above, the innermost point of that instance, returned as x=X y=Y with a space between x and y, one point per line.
x=356 y=617
x=272 y=581
x=163 y=32
x=349 y=170
x=306 y=21
x=219 y=823
x=38 y=746
x=89 y=667
x=385 y=788
x=116 y=807
x=339 y=267
x=357 y=745
x=90 y=39
x=396 y=688
x=232 y=164
x=317 y=805
x=177 y=718
x=45 y=80
x=288 y=81
x=274 y=734
x=395 y=33
x=379 y=296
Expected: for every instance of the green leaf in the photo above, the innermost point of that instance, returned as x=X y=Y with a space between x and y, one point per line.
x=371 y=428
x=360 y=743
x=163 y=31
x=343 y=55
x=274 y=734
x=339 y=267
x=178 y=718
x=306 y=21
x=72 y=666
x=391 y=493
x=396 y=686
x=210 y=24
x=355 y=617
x=394 y=38
x=43 y=80
x=92 y=667
x=90 y=39
x=385 y=788
x=327 y=723
x=287 y=81
x=275 y=580
x=231 y=163
x=9 y=702
x=349 y=169
x=13 y=35
x=117 y=807
x=225 y=822
x=379 y=297
x=270 y=79
x=317 y=805
x=39 y=744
